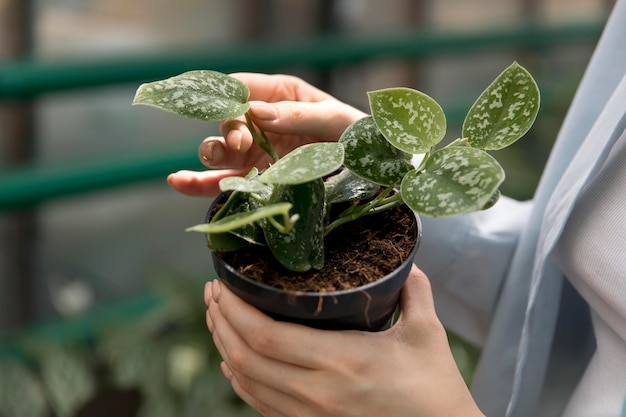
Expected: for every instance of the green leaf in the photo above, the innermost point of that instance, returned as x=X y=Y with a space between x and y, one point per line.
x=21 y=392
x=246 y=185
x=303 y=247
x=371 y=156
x=455 y=180
x=493 y=200
x=237 y=220
x=225 y=242
x=68 y=380
x=250 y=233
x=409 y=119
x=504 y=112
x=347 y=186
x=204 y=95
x=305 y=163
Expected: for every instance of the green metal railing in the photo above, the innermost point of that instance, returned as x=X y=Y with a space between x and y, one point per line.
x=30 y=185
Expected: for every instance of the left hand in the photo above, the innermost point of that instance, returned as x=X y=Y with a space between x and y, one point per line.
x=289 y=110
x=284 y=369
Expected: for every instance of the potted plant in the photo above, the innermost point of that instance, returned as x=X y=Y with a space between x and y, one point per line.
x=278 y=224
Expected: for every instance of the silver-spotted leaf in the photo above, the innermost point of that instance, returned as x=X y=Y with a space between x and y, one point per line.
x=246 y=185
x=409 y=119
x=202 y=94
x=305 y=163
x=455 y=180
x=302 y=248
x=504 y=112
x=347 y=186
x=21 y=390
x=240 y=219
x=245 y=234
x=369 y=155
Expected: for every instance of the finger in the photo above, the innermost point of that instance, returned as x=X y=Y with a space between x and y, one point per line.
x=324 y=120
x=207 y=293
x=278 y=87
x=417 y=307
x=263 y=399
x=207 y=299
x=251 y=368
x=217 y=152
x=201 y=183
x=237 y=135
x=209 y=322
x=263 y=396
x=277 y=340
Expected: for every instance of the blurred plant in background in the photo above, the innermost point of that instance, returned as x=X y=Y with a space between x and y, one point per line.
x=160 y=364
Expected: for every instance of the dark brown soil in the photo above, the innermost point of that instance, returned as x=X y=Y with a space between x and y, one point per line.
x=357 y=253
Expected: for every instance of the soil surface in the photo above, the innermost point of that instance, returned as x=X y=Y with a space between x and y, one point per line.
x=357 y=253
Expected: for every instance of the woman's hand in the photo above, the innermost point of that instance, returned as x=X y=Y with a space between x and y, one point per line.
x=285 y=369
x=290 y=111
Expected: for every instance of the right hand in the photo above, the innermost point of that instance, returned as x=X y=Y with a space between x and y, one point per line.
x=286 y=369
x=290 y=111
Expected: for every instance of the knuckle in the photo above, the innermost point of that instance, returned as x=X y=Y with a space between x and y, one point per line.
x=246 y=385
x=330 y=405
x=238 y=360
x=261 y=341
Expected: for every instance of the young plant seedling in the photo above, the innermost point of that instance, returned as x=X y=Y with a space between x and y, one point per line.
x=287 y=206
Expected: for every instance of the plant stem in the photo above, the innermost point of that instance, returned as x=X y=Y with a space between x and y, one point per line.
x=457 y=142
x=224 y=209
x=381 y=203
x=261 y=139
x=289 y=223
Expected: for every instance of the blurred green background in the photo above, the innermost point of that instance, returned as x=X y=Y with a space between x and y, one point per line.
x=100 y=288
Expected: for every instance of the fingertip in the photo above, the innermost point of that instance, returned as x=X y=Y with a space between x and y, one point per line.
x=211 y=152
x=209 y=322
x=207 y=292
x=226 y=371
x=192 y=183
x=234 y=139
x=216 y=290
x=261 y=110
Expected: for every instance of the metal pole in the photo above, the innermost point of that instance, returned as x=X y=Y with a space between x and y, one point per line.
x=18 y=240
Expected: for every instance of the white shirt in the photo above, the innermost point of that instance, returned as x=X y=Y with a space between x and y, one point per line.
x=494 y=275
x=591 y=253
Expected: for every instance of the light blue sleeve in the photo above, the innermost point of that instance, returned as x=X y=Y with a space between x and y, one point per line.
x=466 y=258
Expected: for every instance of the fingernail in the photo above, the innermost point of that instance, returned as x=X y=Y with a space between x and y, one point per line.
x=233 y=139
x=263 y=111
x=216 y=290
x=211 y=152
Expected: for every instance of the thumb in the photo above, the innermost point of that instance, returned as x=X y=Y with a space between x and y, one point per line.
x=325 y=120
x=417 y=307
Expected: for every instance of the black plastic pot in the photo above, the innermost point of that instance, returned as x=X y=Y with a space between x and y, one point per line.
x=370 y=307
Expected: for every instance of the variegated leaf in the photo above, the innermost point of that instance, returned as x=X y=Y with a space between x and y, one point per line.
x=305 y=163
x=241 y=236
x=504 y=112
x=237 y=220
x=202 y=94
x=302 y=248
x=409 y=119
x=246 y=185
x=371 y=156
x=21 y=391
x=347 y=186
x=455 y=180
